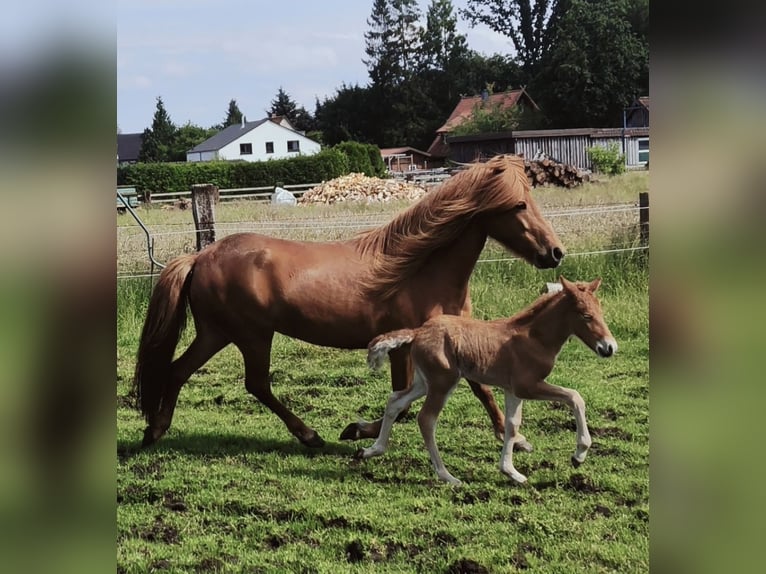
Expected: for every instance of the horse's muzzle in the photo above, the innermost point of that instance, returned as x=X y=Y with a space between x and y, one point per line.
x=550 y=259
x=606 y=348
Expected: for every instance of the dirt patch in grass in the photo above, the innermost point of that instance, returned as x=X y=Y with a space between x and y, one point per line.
x=581 y=483
x=471 y=497
x=151 y=469
x=354 y=552
x=160 y=532
x=466 y=566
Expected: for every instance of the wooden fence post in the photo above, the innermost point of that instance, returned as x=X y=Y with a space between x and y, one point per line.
x=643 y=217
x=204 y=196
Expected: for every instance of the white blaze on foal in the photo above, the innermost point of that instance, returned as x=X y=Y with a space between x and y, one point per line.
x=515 y=354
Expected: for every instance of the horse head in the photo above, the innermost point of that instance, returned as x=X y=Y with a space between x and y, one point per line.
x=511 y=216
x=587 y=318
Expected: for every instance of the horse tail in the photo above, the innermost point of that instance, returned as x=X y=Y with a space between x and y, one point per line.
x=165 y=321
x=381 y=345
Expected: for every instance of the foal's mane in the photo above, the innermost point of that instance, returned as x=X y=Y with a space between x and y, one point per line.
x=403 y=245
x=543 y=301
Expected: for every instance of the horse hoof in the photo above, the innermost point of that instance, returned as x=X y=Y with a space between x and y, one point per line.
x=523 y=446
x=351 y=432
x=313 y=441
x=359 y=454
x=575 y=463
x=148 y=439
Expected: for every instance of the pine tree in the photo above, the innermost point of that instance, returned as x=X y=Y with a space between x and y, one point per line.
x=282 y=105
x=392 y=42
x=441 y=45
x=157 y=141
x=233 y=115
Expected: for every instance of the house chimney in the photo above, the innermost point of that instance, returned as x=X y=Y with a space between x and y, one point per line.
x=243 y=122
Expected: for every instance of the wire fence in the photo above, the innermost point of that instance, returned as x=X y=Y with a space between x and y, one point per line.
x=590 y=230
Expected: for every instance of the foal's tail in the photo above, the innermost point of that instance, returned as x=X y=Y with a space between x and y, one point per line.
x=382 y=344
x=165 y=321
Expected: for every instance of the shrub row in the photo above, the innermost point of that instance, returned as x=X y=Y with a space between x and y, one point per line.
x=327 y=164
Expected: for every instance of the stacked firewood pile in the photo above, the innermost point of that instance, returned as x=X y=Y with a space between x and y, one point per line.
x=359 y=187
x=546 y=171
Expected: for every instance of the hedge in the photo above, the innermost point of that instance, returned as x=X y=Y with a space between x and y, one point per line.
x=174 y=177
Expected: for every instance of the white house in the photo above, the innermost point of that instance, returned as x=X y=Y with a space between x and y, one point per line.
x=269 y=138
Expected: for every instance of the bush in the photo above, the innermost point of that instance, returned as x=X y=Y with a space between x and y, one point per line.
x=363 y=158
x=607 y=160
x=175 y=177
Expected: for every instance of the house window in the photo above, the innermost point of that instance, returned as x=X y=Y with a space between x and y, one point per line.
x=643 y=151
x=245 y=149
x=269 y=147
x=293 y=145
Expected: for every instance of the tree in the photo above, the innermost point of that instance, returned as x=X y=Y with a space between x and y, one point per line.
x=283 y=105
x=525 y=22
x=233 y=115
x=346 y=116
x=391 y=43
x=188 y=136
x=441 y=45
x=157 y=141
x=596 y=65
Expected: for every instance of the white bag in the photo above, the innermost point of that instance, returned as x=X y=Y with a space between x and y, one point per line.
x=283 y=197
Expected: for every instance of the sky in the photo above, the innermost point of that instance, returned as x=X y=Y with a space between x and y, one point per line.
x=199 y=54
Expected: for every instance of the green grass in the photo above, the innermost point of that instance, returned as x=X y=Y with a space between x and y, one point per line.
x=229 y=489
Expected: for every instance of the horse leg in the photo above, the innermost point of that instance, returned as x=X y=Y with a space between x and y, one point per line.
x=397 y=402
x=204 y=346
x=484 y=394
x=257 y=355
x=401 y=377
x=512 y=424
x=547 y=392
x=438 y=393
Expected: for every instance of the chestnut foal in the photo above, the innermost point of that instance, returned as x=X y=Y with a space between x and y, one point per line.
x=515 y=354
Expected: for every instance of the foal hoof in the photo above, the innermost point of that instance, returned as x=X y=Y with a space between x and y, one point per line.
x=575 y=463
x=523 y=446
x=313 y=440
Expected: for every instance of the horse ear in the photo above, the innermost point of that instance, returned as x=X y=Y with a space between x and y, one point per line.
x=567 y=285
x=594 y=285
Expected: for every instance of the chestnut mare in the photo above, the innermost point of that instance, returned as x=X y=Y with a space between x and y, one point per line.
x=514 y=354
x=245 y=287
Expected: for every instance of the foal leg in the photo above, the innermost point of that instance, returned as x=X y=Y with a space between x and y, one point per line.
x=401 y=377
x=397 y=402
x=257 y=353
x=512 y=436
x=435 y=399
x=484 y=394
x=204 y=346
x=547 y=392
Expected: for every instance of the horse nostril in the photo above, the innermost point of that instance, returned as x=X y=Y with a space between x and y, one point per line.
x=557 y=254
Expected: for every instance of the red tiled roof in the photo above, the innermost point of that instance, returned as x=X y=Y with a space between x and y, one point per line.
x=405 y=149
x=438 y=147
x=464 y=108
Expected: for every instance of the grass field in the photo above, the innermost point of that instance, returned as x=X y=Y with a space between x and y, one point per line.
x=229 y=489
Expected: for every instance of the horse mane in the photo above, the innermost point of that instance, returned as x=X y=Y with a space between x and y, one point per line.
x=401 y=247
